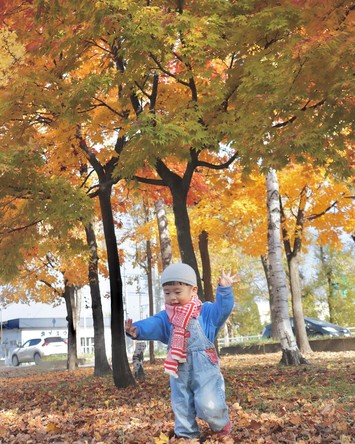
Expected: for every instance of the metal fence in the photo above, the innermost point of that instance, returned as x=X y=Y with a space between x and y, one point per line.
x=226 y=342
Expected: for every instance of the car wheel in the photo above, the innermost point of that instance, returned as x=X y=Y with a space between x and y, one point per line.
x=15 y=361
x=37 y=358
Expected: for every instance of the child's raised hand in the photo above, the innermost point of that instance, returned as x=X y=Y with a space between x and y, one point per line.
x=227 y=279
x=130 y=329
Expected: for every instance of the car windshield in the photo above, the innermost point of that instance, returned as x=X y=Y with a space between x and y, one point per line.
x=316 y=322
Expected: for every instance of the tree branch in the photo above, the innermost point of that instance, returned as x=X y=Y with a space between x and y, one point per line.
x=168 y=73
x=123 y=115
x=24 y=227
x=222 y=166
x=316 y=216
x=158 y=182
x=293 y=118
x=89 y=154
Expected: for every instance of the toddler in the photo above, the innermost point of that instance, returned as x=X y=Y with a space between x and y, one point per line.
x=189 y=327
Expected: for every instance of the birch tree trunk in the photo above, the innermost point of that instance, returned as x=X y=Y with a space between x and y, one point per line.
x=290 y=352
x=164 y=237
x=265 y=262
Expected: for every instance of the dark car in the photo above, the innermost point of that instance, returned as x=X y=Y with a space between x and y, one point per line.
x=314 y=327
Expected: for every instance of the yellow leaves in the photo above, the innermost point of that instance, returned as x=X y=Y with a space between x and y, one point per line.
x=162 y=439
x=11 y=51
x=53 y=428
x=253 y=49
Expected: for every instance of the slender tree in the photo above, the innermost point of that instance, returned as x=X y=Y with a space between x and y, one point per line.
x=164 y=237
x=279 y=291
x=102 y=366
x=206 y=266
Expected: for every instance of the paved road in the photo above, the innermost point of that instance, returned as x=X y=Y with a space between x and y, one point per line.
x=24 y=370
x=27 y=370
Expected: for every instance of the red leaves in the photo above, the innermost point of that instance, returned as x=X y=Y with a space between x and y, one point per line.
x=267 y=403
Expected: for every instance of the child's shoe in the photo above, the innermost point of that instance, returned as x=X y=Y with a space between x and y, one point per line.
x=225 y=431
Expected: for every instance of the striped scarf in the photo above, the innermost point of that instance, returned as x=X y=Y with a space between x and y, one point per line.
x=179 y=316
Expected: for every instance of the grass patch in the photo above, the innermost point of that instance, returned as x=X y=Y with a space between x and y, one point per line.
x=59 y=357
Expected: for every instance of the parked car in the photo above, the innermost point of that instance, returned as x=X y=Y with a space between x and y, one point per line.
x=34 y=350
x=314 y=327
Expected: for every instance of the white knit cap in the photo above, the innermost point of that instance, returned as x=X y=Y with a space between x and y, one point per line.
x=179 y=273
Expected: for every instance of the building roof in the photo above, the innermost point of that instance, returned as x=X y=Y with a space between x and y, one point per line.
x=35 y=323
x=47 y=323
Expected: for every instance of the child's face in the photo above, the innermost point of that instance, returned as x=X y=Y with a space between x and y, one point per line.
x=178 y=294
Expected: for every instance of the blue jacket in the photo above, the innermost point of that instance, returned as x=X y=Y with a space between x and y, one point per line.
x=212 y=317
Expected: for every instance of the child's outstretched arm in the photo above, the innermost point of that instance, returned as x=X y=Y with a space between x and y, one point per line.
x=227 y=279
x=153 y=328
x=223 y=306
x=130 y=329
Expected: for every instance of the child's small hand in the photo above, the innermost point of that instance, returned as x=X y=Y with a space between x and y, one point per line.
x=130 y=329
x=227 y=279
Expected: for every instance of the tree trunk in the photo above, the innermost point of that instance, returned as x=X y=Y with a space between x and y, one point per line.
x=292 y=255
x=265 y=262
x=298 y=316
x=138 y=360
x=122 y=374
x=164 y=237
x=290 y=352
x=69 y=298
x=182 y=223
x=102 y=366
x=151 y=299
x=206 y=266
x=327 y=267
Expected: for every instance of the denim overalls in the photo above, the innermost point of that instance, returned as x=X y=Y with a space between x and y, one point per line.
x=199 y=390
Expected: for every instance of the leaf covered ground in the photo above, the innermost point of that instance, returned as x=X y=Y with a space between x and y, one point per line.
x=268 y=404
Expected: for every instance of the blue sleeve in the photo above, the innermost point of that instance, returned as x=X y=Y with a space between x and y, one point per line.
x=215 y=314
x=154 y=328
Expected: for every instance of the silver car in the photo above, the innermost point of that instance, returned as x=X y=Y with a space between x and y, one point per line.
x=34 y=350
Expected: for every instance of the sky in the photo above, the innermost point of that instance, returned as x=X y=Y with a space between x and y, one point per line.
x=136 y=306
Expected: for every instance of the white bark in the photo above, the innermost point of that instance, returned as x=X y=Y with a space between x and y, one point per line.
x=164 y=237
x=278 y=278
x=138 y=360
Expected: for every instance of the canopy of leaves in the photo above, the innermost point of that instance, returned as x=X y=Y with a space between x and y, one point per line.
x=169 y=80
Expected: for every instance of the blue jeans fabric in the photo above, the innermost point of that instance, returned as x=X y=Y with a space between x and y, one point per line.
x=199 y=390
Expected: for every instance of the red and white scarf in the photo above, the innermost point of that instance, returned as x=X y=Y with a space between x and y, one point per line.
x=180 y=316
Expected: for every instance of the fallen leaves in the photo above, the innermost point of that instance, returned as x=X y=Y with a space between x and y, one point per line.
x=267 y=403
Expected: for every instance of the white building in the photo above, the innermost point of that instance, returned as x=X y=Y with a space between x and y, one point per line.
x=16 y=332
